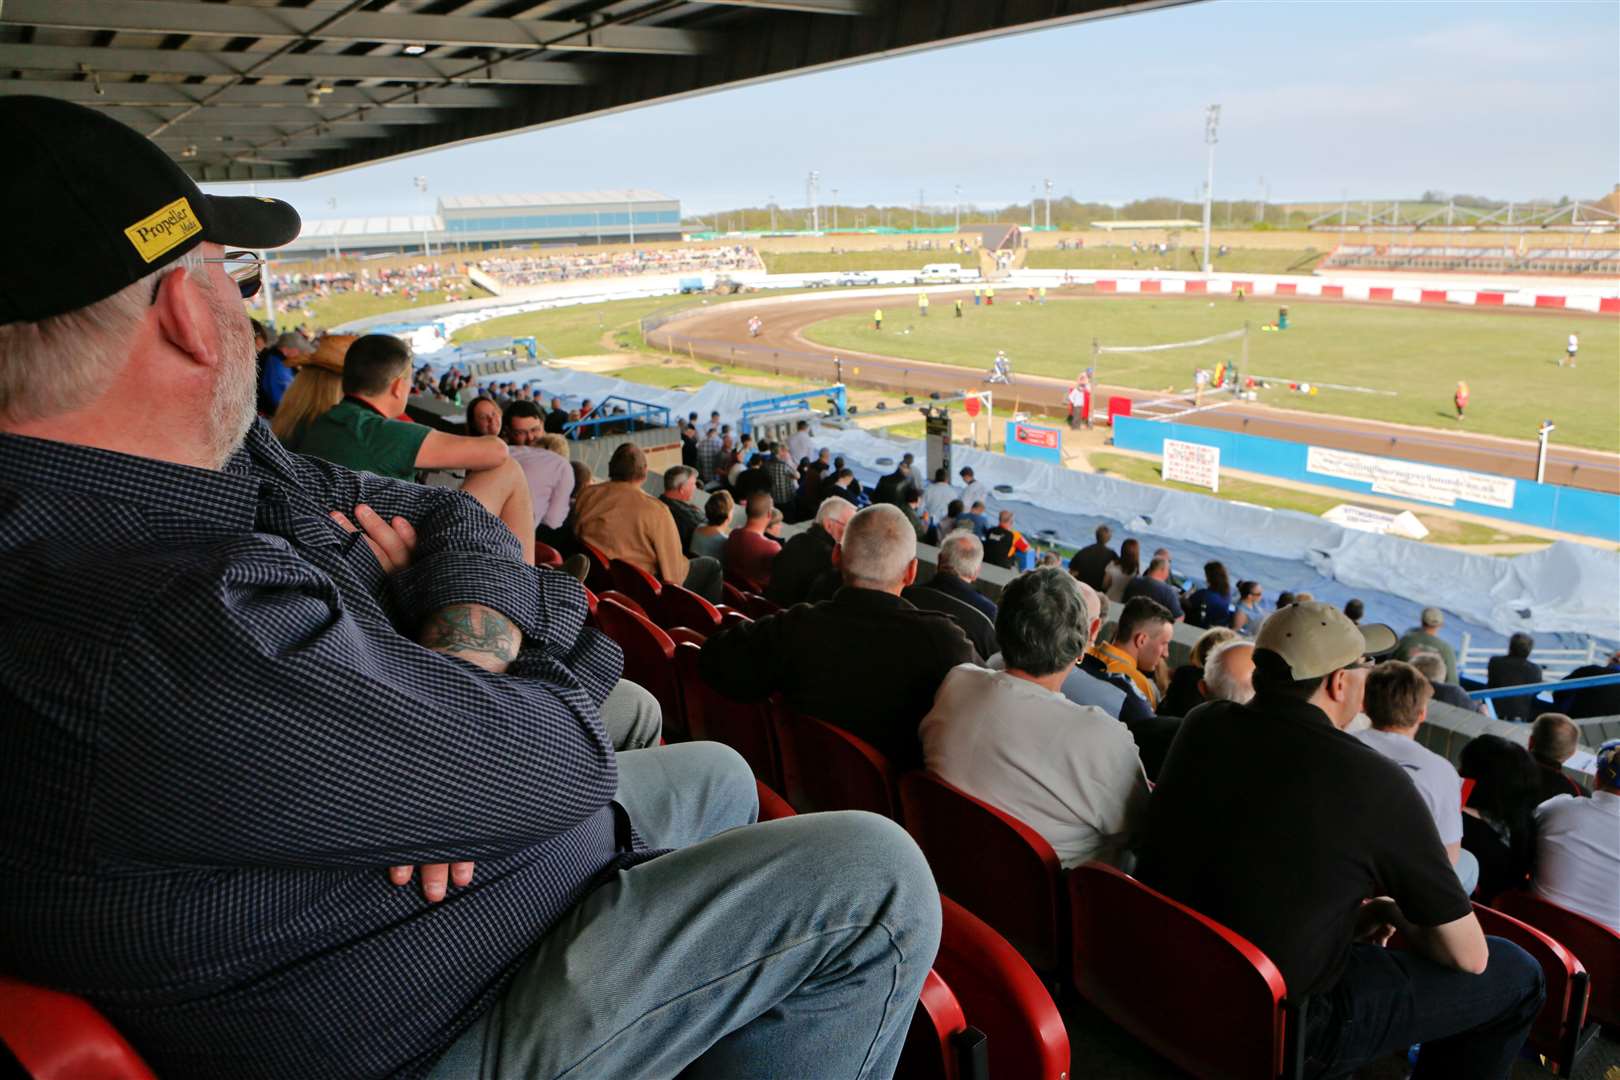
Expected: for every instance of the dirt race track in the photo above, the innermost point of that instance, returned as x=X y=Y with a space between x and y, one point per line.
x=721 y=333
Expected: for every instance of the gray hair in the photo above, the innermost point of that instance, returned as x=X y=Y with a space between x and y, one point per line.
x=878 y=545
x=676 y=475
x=1042 y=622
x=60 y=363
x=1218 y=678
x=833 y=508
x=1432 y=664
x=961 y=554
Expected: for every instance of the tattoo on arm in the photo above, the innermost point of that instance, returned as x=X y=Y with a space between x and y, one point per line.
x=475 y=633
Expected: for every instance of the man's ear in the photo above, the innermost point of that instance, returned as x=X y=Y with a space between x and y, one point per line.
x=183 y=313
x=911 y=573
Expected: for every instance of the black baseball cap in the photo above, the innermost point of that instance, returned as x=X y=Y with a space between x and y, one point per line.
x=96 y=206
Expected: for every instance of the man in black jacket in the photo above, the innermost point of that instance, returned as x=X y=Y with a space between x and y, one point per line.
x=891 y=487
x=896 y=654
x=1090 y=563
x=1515 y=669
x=806 y=560
x=951 y=593
x=680 y=488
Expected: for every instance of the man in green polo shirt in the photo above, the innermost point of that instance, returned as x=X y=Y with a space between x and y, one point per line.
x=360 y=432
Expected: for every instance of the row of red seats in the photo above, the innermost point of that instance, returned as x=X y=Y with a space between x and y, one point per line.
x=1095 y=929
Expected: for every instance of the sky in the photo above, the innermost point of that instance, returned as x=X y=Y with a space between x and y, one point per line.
x=1319 y=99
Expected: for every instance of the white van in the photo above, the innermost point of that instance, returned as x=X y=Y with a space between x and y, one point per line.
x=940 y=272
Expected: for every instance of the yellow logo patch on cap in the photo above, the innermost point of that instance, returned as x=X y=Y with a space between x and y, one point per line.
x=161 y=232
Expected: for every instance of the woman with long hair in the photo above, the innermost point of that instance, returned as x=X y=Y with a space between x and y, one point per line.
x=316 y=387
x=1211 y=606
x=1121 y=570
x=1499 y=822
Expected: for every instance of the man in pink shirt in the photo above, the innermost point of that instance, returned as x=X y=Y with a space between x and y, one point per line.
x=749 y=552
x=544 y=460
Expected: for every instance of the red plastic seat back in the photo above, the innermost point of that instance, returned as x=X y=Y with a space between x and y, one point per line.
x=598 y=577
x=635 y=583
x=57 y=1036
x=1594 y=945
x=649 y=654
x=759 y=607
x=930 y=1050
x=733 y=596
x=1002 y=997
x=1558 y=1025
x=743 y=726
x=772 y=806
x=992 y=864
x=826 y=768
x=680 y=606
x=546 y=555
x=1184 y=985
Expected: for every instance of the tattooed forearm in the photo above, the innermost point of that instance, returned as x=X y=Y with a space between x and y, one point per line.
x=475 y=633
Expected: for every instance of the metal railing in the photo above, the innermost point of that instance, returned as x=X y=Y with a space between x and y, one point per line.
x=1473 y=660
x=636 y=416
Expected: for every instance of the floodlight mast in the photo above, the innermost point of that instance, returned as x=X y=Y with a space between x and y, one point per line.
x=1212 y=121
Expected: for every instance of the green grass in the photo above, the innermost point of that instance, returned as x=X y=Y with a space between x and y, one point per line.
x=827 y=262
x=672 y=376
x=578 y=330
x=1187 y=257
x=324 y=314
x=1509 y=359
x=1444 y=530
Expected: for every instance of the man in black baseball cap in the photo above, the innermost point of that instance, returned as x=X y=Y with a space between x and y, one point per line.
x=1269 y=818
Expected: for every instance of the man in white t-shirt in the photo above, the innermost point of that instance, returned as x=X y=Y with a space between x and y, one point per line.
x=1070 y=772
x=802 y=444
x=1570 y=350
x=1396 y=700
x=1578 y=845
x=973 y=490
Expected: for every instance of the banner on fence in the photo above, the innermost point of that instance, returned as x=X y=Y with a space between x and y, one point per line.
x=1033 y=441
x=1410 y=480
x=1192 y=463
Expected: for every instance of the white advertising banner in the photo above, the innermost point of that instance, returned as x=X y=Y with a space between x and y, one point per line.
x=1192 y=463
x=1409 y=480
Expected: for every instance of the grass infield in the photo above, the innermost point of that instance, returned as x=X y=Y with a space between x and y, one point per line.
x=1509 y=359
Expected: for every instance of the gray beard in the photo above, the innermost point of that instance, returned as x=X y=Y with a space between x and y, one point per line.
x=235 y=399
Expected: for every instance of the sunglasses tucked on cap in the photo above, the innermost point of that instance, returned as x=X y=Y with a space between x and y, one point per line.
x=1315 y=639
x=98 y=206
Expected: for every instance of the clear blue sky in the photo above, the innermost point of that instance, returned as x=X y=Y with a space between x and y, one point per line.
x=1377 y=99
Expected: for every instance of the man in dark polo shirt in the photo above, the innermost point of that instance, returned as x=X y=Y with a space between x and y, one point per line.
x=1155 y=585
x=893 y=655
x=360 y=433
x=1091 y=562
x=1270 y=819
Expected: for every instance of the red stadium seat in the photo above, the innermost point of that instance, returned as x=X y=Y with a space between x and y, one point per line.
x=678 y=634
x=649 y=655
x=759 y=607
x=771 y=805
x=1594 y=945
x=1002 y=997
x=546 y=555
x=1182 y=984
x=635 y=583
x=623 y=601
x=56 y=1036
x=680 y=606
x=590 y=604
x=826 y=768
x=992 y=864
x=1557 y=1030
x=745 y=727
x=939 y=1044
x=733 y=596
x=598 y=577
x=730 y=617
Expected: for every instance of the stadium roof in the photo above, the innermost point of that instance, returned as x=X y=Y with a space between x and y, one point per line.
x=1161 y=223
x=553 y=198
x=250 y=89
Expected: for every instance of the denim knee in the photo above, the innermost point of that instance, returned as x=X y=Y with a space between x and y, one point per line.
x=1517 y=968
x=880 y=863
x=728 y=777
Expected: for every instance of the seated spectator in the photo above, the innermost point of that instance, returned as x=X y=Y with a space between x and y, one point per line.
x=1515 y=669
x=950 y=592
x=1186 y=690
x=749 y=553
x=544 y=461
x=801 y=444
x=947 y=524
x=1123 y=570
x=622 y=521
x=804 y=570
x=680 y=499
x=1247 y=616
x=1396 y=700
x=1211 y=606
x=708 y=456
x=316 y=387
x=843 y=485
x=938 y=497
x=1285 y=599
x=975 y=519
x=557 y=418
x=372 y=679
x=1229 y=672
x=1577 y=858
x=783 y=476
x=754 y=478
x=359 y=433
x=1090 y=564
x=484 y=416
x=276 y=367
x=911 y=506
x=1011 y=738
x=1425 y=638
x=1591 y=701
x=1499 y=824
x=888 y=657
x=1003 y=544
x=1141 y=639
x=1297 y=838
x=1433 y=668
x=1554 y=738
x=1079 y=685
x=1155 y=585
x=808 y=495
x=1355 y=611
x=709 y=539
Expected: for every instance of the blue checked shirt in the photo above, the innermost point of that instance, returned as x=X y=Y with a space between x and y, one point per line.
x=217 y=732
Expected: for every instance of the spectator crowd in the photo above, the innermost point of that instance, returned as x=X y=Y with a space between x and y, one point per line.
x=541 y=269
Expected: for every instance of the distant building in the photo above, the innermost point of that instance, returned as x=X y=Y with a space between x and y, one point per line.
x=476 y=222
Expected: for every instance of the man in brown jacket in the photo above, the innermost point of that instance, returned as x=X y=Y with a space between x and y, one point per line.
x=622 y=521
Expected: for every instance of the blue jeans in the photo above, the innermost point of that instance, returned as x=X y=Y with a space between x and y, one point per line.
x=788 y=948
x=1470 y=1025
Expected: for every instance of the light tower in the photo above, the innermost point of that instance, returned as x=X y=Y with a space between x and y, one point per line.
x=422 y=186
x=1048 y=204
x=812 y=191
x=1212 y=121
x=958 y=193
x=835 y=210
